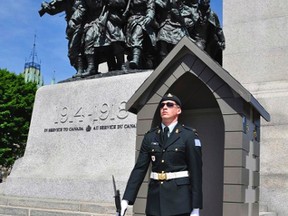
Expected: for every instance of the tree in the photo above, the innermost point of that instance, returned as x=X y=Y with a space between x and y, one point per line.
x=16 y=103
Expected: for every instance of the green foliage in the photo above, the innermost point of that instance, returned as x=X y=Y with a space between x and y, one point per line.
x=16 y=103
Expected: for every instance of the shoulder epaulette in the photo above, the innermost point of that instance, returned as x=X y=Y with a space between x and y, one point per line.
x=153 y=129
x=195 y=131
x=186 y=127
x=191 y=129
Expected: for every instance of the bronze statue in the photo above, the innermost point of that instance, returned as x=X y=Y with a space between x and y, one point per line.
x=95 y=31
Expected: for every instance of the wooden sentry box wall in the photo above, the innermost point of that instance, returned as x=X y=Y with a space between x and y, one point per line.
x=227 y=118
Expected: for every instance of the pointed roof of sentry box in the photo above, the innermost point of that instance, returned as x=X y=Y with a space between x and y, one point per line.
x=184 y=47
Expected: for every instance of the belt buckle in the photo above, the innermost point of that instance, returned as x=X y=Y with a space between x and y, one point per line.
x=162 y=176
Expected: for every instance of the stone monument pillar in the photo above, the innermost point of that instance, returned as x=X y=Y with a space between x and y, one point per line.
x=256 y=55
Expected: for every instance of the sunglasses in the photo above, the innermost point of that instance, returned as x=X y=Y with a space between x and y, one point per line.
x=168 y=104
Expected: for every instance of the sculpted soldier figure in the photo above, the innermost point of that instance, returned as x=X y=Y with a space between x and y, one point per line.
x=103 y=29
x=86 y=12
x=140 y=32
x=175 y=185
x=73 y=32
x=114 y=35
x=172 y=16
x=207 y=32
x=190 y=14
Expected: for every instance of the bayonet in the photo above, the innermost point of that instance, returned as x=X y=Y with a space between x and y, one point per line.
x=117 y=198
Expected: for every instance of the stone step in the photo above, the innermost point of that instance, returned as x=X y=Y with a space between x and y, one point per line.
x=267 y=214
x=5 y=210
x=16 y=211
x=264 y=211
x=44 y=207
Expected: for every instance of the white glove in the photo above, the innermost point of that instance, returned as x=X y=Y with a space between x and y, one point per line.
x=124 y=205
x=195 y=212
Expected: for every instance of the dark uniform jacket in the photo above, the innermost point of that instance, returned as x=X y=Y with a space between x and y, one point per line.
x=180 y=153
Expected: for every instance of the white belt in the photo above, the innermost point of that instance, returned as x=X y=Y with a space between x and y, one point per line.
x=169 y=175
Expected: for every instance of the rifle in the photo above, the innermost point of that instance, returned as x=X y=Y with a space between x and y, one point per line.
x=117 y=198
x=42 y=11
x=102 y=20
x=52 y=8
x=127 y=8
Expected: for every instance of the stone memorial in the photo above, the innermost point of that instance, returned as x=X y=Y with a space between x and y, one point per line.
x=80 y=135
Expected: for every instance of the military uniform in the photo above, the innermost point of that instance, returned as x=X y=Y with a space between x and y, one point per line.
x=181 y=154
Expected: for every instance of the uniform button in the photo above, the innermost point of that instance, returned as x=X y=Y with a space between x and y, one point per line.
x=176 y=149
x=161 y=182
x=162 y=161
x=153 y=150
x=163 y=150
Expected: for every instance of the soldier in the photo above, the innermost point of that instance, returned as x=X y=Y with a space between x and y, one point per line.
x=175 y=186
x=140 y=30
x=73 y=32
x=207 y=32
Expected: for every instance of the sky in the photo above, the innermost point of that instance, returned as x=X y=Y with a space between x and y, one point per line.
x=20 y=22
